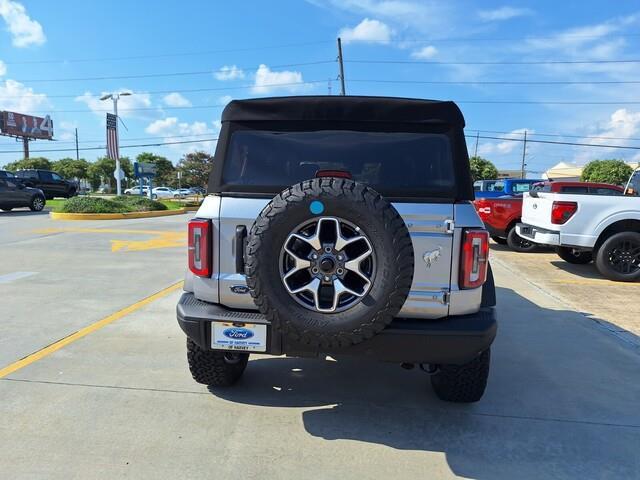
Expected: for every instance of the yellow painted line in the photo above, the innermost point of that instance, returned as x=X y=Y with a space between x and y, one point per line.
x=83 y=332
x=165 y=240
x=595 y=282
x=114 y=216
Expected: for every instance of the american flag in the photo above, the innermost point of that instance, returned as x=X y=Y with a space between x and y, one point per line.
x=112 y=137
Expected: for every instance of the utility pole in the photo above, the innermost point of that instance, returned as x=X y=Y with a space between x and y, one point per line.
x=341 y=64
x=77 y=150
x=524 y=154
x=25 y=146
x=475 y=151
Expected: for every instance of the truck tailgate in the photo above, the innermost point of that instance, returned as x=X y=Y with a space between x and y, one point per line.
x=536 y=211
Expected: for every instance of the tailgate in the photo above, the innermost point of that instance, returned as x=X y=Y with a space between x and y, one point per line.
x=536 y=211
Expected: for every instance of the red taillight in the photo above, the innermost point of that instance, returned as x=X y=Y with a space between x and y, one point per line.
x=561 y=212
x=474 y=258
x=200 y=247
x=333 y=173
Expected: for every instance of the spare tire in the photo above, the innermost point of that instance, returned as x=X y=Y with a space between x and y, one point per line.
x=329 y=262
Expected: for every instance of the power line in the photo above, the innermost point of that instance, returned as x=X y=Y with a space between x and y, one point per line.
x=514 y=39
x=558 y=135
x=189 y=90
x=552 y=142
x=168 y=55
x=167 y=74
x=503 y=82
x=490 y=102
x=478 y=62
x=102 y=147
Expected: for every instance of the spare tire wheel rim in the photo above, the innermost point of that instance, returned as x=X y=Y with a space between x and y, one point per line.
x=327 y=264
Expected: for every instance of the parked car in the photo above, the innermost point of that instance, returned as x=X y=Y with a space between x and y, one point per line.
x=372 y=250
x=185 y=192
x=588 y=227
x=52 y=184
x=499 y=188
x=165 y=192
x=14 y=194
x=501 y=215
x=136 y=190
x=6 y=174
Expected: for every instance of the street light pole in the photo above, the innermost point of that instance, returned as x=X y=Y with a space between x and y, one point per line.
x=115 y=97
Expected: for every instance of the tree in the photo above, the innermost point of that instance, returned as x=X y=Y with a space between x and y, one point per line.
x=607 y=171
x=26 y=163
x=71 y=168
x=102 y=171
x=482 y=169
x=165 y=171
x=195 y=168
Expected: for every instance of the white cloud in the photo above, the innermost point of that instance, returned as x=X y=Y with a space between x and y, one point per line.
x=506 y=146
x=18 y=98
x=65 y=130
x=503 y=13
x=176 y=100
x=172 y=130
x=229 y=72
x=3 y=68
x=267 y=81
x=125 y=104
x=425 y=53
x=25 y=32
x=367 y=31
x=621 y=125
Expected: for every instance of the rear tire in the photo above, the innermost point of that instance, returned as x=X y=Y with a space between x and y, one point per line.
x=577 y=257
x=519 y=244
x=215 y=368
x=618 y=258
x=499 y=240
x=463 y=383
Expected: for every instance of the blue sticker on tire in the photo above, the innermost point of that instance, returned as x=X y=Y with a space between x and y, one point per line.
x=316 y=207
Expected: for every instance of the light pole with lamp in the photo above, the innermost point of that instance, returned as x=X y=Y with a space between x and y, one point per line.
x=118 y=173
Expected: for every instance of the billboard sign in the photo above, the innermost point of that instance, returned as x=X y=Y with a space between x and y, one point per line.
x=21 y=125
x=142 y=170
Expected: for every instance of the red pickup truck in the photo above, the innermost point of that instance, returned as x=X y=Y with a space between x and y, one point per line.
x=501 y=214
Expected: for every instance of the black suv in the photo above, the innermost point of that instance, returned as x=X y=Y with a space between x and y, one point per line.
x=51 y=183
x=14 y=194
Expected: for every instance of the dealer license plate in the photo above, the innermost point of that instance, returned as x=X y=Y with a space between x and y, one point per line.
x=249 y=337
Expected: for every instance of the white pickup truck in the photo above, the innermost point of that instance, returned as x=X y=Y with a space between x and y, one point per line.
x=583 y=228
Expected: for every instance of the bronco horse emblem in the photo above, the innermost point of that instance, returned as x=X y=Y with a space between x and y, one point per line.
x=431 y=256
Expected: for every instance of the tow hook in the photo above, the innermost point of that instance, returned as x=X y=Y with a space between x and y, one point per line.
x=429 y=368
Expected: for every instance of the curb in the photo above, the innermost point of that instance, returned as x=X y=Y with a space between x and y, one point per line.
x=118 y=216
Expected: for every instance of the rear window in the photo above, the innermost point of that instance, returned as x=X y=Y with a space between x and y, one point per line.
x=521 y=187
x=388 y=161
x=575 y=190
x=604 y=191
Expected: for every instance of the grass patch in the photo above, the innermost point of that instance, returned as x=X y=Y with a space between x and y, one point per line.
x=171 y=204
x=123 y=204
x=55 y=205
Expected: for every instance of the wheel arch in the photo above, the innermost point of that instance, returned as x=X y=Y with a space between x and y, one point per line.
x=626 y=225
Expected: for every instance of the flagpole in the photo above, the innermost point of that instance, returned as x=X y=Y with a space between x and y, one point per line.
x=118 y=179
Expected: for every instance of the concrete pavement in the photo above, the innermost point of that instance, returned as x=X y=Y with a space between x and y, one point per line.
x=119 y=403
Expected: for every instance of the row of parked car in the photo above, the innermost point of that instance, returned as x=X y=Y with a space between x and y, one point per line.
x=165 y=192
x=583 y=221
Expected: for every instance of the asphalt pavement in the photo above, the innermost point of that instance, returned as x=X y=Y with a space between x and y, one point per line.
x=118 y=401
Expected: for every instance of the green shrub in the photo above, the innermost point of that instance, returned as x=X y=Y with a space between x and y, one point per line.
x=93 y=205
x=138 y=203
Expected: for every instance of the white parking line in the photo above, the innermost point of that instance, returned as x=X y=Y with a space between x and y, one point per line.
x=10 y=277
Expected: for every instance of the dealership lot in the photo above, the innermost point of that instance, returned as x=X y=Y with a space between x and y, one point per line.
x=118 y=401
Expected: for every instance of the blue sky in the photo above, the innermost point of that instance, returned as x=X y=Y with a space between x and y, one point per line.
x=52 y=52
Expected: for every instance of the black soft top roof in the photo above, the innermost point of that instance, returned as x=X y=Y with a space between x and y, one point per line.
x=344 y=108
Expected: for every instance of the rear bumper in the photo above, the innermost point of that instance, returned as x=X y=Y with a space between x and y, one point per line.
x=451 y=340
x=538 y=235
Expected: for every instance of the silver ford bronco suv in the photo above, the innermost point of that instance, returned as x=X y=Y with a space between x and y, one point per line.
x=341 y=226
